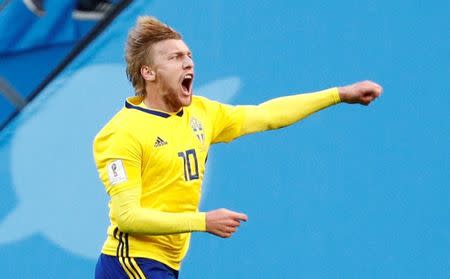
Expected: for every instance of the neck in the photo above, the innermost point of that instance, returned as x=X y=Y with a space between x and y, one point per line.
x=155 y=100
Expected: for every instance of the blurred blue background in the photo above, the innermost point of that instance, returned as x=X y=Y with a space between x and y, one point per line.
x=351 y=192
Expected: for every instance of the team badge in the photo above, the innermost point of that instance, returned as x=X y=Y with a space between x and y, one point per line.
x=198 y=130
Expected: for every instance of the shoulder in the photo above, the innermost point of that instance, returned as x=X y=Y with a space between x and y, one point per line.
x=120 y=126
x=205 y=103
x=200 y=100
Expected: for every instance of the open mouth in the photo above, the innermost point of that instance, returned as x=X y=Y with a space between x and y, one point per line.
x=186 y=83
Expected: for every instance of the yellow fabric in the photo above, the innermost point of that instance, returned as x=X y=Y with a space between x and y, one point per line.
x=157 y=205
x=132 y=218
x=284 y=111
x=155 y=202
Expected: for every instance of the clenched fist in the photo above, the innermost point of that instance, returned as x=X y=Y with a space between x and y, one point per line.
x=362 y=92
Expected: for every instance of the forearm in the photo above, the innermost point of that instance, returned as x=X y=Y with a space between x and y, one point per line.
x=132 y=218
x=284 y=111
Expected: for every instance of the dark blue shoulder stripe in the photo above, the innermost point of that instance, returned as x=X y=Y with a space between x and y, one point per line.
x=154 y=112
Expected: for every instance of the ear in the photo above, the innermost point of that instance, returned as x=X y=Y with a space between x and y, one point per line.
x=148 y=73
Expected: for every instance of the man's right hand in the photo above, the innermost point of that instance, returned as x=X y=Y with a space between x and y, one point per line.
x=223 y=222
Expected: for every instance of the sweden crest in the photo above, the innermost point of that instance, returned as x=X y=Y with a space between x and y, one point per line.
x=198 y=130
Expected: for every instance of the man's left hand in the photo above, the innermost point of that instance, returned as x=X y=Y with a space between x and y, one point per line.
x=363 y=92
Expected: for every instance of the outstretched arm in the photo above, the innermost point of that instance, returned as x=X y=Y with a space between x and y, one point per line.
x=284 y=111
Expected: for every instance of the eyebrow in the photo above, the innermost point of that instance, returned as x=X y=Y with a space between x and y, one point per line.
x=178 y=52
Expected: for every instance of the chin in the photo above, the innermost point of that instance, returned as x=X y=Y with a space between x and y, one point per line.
x=186 y=101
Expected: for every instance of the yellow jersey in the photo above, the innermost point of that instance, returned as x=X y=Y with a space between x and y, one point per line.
x=165 y=154
x=161 y=156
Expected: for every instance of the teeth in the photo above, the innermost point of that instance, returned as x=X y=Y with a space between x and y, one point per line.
x=188 y=76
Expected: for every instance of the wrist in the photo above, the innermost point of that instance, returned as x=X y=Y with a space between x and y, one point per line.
x=343 y=93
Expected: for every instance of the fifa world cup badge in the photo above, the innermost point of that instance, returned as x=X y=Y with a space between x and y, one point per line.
x=198 y=130
x=116 y=172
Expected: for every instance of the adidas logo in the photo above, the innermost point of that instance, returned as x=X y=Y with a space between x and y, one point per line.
x=159 y=142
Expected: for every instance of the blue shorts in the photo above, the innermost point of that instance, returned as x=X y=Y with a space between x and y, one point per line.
x=112 y=267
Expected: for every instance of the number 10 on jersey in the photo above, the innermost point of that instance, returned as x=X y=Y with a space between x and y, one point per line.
x=190 y=164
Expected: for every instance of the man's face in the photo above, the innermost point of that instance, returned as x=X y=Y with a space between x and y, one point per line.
x=174 y=69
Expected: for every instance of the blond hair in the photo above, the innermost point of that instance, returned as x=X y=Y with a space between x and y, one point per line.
x=147 y=31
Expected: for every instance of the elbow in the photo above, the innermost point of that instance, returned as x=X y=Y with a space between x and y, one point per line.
x=124 y=224
x=125 y=221
x=125 y=227
x=273 y=126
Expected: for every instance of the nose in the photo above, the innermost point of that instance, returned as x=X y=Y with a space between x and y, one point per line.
x=188 y=62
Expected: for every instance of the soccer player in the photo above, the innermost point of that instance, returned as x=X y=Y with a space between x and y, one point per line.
x=151 y=155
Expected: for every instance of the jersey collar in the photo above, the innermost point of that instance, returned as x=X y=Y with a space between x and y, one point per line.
x=131 y=102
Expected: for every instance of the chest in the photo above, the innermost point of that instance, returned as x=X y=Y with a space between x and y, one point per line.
x=176 y=149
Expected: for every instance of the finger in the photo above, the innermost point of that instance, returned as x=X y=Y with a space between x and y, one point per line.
x=368 y=99
x=375 y=92
x=225 y=235
x=379 y=87
x=221 y=234
x=365 y=102
x=230 y=230
x=226 y=229
x=234 y=223
x=374 y=84
x=370 y=93
x=240 y=217
x=379 y=91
